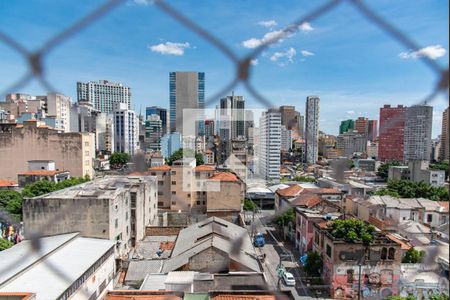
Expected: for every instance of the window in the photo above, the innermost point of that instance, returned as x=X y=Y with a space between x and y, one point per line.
x=153 y=173
x=127 y=229
x=383 y=253
x=204 y=202
x=174 y=202
x=329 y=251
x=316 y=238
x=174 y=182
x=350 y=275
x=173 y=172
x=198 y=202
x=429 y=218
x=160 y=183
x=391 y=254
x=189 y=195
x=174 y=193
x=126 y=215
x=160 y=193
x=116 y=223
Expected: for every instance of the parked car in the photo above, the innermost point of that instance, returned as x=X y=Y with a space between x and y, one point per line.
x=288 y=279
x=259 y=240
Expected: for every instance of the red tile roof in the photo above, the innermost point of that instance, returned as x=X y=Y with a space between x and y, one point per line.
x=134 y=296
x=166 y=245
x=323 y=191
x=306 y=200
x=404 y=245
x=292 y=191
x=42 y=172
x=205 y=168
x=160 y=168
x=444 y=204
x=244 y=297
x=5 y=183
x=224 y=176
x=139 y=174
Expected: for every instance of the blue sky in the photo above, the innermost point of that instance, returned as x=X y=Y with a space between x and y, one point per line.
x=351 y=64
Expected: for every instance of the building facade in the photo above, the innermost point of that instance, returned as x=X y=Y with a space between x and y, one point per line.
x=418 y=125
x=291 y=119
x=153 y=133
x=312 y=129
x=392 y=133
x=286 y=138
x=103 y=94
x=270 y=145
x=170 y=143
x=32 y=140
x=126 y=126
x=372 y=132
x=187 y=91
x=444 y=151
x=162 y=113
x=351 y=142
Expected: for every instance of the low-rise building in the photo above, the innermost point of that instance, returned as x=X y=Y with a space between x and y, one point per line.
x=417 y=171
x=162 y=173
x=116 y=208
x=67 y=266
x=224 y=196
x=41 y=170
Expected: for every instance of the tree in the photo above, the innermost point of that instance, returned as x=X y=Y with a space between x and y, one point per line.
x=180 y=153
x=410 y=189
x=5 y=244
x=413 y=256
x=313 y=265
x=249 y=205
x=383 y=169
x=38 y=188
x=119 y=159
x=304 y=179
x=11 y=202
x=353 y=230
x=401 y=298
x=440 y=166
x=286 y=217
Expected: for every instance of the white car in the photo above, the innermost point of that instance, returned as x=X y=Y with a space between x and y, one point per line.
x=289 y=279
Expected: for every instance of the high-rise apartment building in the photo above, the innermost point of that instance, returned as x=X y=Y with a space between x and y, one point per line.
x=362 y=125
x=270 y=145
x=103 y=95
x=392 y=132
x=312 y=129
x=444 y=150
x=58 y=106
x=286 y=138
x=418 y=125
x=187 y=91
x=153 y=133
x=346 y=126
x=161 y=112
x=170 y=143
x=372 y=132
x=209 y=128
x=232 y=117
x=350 y=142
x=291 y=119
x=126 y=125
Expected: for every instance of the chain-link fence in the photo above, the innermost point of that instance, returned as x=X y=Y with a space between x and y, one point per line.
x=243 y=66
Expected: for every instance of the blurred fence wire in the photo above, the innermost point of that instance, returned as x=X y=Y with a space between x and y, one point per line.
x=243 y=66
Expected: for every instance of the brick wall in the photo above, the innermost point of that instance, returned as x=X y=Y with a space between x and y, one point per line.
x=160 y=230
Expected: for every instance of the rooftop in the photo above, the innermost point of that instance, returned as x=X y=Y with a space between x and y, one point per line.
x=73 y=255
x=291 y=191
x=205 y=168
x=224 y=176
x=160 y=168
x=7 y=183
x=42 y=172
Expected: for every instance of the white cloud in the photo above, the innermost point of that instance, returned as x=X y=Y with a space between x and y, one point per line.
x=307 y=53
x=268 y=23
x=432 y=52
x=169 y=48
x=350 y=112
x=254 y=42
x=305 y=27
x=254 y=62
x=284 y=58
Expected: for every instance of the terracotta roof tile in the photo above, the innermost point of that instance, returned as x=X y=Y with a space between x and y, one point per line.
x=444 y=204
x=224 y=176
x=42 y=172
x=404 y=245
x=139 y=174
x=323 y=191
x=5 y=183
x=160 y=168
x=142 y=297
x=292 y=191
x=205 y=168
x=306 y=200
x=244 y=297
x=166 y=245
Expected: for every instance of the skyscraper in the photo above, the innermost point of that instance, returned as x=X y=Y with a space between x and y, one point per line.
x=346 y=126
x=392 y=132
x=153 y=132
x=418 y=124
x=126 y=129
x=372 y=132
x=444 y=151
x=291 y=119
x=187 y=91
x=161 y=112
x=270 y=145
x=286 y=138
x=209 y=128
x=312 y=129
x=362 y=126
x=103 y=95
x=232 y=119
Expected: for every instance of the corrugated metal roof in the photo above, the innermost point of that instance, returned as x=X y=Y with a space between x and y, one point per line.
x=138 y=269
x=154 y=282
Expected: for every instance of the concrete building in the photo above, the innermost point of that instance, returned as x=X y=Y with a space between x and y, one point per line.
x=417 y=171
x=368 y=165
x=183 y=184
x=372 y=149
x=187 y=91
x=286 y=139
x=291 y=119
x=104 y=95
x=116 y=208
x=126 y=126
x=162 y=113
x=392 y=129
x=153 y=133
x=170 y=143
x=87 y=265
x=162 y=173
x=346 y=126
x=19 y=144
x=41 y=170
x=232 y=117
x=210 y=130
x=58 y=106
x=418 y=125
x=362 y=126
x=372 y=133
x=312 y=129
x=444 y=151
x=351 y=142
x=270 y=145
x=84 y=118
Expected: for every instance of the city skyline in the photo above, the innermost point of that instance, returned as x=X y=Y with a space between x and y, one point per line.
x=357 y=88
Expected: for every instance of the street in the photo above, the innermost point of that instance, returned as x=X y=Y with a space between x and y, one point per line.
x=276 y=251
